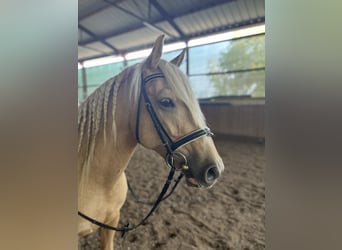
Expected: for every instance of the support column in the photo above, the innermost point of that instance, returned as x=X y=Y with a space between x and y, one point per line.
x=187 y=58
x=84 y=82
x=125 y=61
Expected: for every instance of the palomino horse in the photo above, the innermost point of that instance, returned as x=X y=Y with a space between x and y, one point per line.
x=117 y=116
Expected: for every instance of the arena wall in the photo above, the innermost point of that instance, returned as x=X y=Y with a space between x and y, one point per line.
x=240 y=118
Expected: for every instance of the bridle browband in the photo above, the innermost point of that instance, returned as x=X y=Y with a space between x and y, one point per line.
x=170 y=146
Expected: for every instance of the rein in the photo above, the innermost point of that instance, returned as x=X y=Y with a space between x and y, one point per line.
x=170 y=146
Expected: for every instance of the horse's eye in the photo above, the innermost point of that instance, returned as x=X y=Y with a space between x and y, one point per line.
x=166 y=103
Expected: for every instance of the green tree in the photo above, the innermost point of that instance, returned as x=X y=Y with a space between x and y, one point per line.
x=247 y=53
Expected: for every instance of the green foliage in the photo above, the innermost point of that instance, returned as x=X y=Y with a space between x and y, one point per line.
x=247 y=53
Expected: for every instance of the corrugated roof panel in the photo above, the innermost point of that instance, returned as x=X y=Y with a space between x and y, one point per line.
x=221 y=18
x=98 y=46
x=243 y=10
x=141 y=9
x=109 y=20
x=174 y=7
x=260 y=7
x=168 y=28
x=208 y=19
x=216 y=15
x=186 y=23
x=225 y=14
x=209 y=22
x=85 y=7
x=134 y=38
x=84 y=52
x=235 y=12
x=203 y=21
x=250 y=6
x=228 y=16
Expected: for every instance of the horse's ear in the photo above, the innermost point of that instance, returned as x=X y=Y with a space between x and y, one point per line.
x=178 y=59
x=153 y=59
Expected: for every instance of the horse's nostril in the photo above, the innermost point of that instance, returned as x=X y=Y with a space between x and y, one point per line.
x=212 y=174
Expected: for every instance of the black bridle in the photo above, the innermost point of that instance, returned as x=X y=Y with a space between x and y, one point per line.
x=170 y=146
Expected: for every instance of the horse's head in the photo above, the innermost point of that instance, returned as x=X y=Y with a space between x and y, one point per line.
x=168 y=91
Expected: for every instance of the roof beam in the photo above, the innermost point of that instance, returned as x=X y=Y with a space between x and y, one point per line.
x=234 y=26
x=91 y=13
x=168 y=18
x=209 y=3
x=94 y=11
x=84 y=29
x=208 y=32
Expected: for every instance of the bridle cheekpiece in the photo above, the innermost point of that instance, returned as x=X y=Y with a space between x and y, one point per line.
x=169 y=144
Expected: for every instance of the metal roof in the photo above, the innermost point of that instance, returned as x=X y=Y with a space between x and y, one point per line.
x=116 y=27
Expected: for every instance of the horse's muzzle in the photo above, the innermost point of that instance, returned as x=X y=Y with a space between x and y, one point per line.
x=207 y=179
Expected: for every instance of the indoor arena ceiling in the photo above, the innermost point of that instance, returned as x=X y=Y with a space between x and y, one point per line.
x=116 y=27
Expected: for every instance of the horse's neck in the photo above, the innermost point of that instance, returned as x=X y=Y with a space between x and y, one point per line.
x=110 y=159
